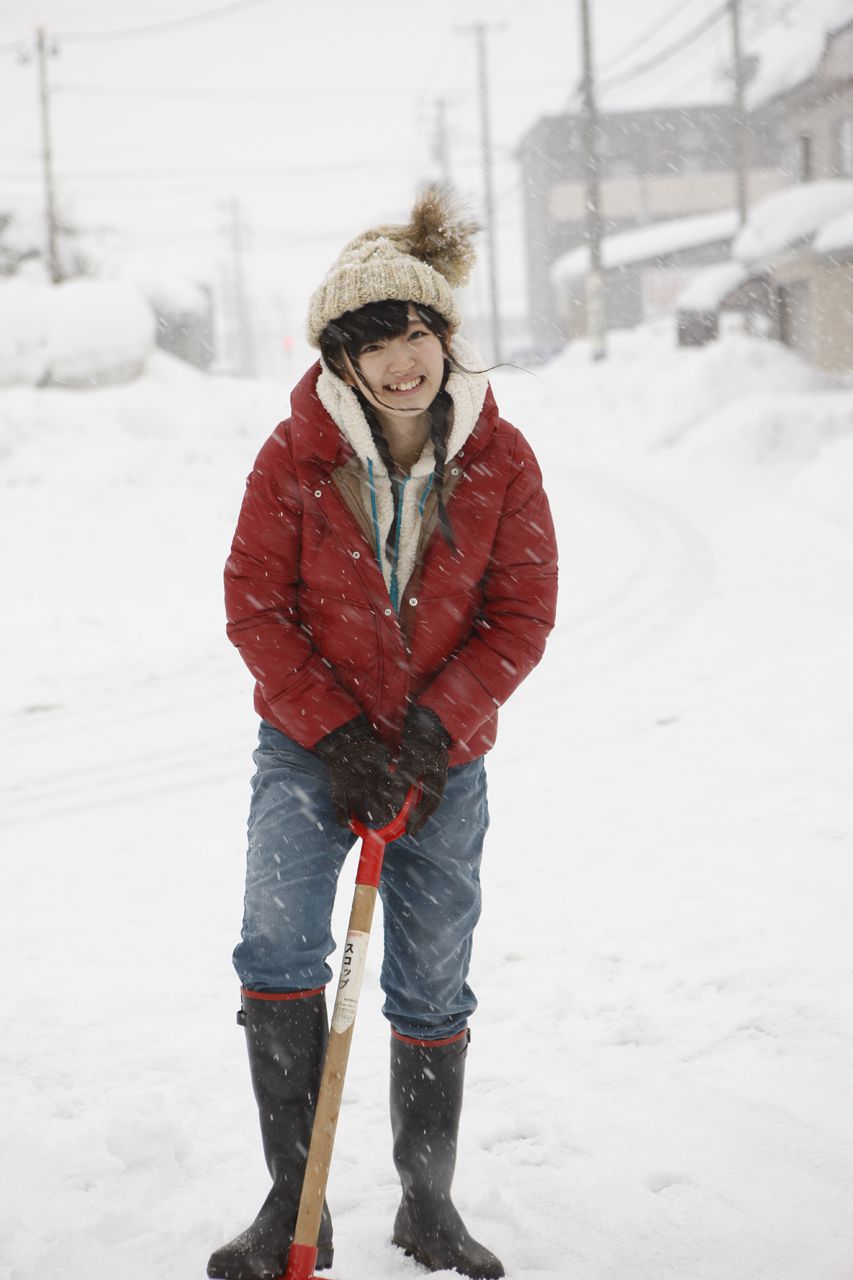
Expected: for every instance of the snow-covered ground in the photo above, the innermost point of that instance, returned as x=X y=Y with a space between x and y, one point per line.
x=659 y=1079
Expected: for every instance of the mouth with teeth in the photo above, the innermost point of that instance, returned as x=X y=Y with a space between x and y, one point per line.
x=406 y=388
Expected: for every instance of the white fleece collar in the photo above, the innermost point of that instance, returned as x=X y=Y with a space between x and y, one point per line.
x=468 y=392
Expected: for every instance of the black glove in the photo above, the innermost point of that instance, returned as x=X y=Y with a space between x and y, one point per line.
x=358 y=765
x=423 y=760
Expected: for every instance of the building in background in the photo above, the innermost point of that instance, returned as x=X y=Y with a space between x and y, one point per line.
x=656 y=165
x=645 y=270
x=794 y=259
x=808 y=266
x=809 y=91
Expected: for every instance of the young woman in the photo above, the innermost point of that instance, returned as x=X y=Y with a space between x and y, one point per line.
x=391 y=582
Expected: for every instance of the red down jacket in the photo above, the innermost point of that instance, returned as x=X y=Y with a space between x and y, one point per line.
x=309 y=611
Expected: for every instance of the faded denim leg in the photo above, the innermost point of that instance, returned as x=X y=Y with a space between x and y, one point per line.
x=431 y=899
x=296 y=851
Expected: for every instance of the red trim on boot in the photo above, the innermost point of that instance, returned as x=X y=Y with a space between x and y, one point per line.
x=280 y=995
x=429 y=1044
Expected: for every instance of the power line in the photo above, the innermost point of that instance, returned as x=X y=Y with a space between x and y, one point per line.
x=667 y=54
x=227 y=173
x=674 y=86
x=155 y=28
x=682 y=78
x=261 y=95
x=649 y=34
x=268 y=95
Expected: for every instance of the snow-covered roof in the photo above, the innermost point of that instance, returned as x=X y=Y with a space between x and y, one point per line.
x=789 y=52
x=835 y=235
x=790 y=217
x=710 y=287
x=654 y=241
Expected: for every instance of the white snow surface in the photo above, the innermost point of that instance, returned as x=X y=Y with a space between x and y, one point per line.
x=711 y=286
x=789 y=217
x=98 y=331
x=166 y=288
x=835 y=235
x=659 y=1076
x=654 y=241
x=23 y=331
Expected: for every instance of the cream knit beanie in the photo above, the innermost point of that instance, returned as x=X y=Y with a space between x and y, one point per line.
x=421 y=261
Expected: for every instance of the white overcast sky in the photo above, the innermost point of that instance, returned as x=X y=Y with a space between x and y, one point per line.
x=317 y=115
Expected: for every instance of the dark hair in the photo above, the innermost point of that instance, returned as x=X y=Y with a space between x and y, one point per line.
x=378 y=321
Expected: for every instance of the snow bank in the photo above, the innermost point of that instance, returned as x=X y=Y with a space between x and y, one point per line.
x=112 y=463
x=82 y=333
x=791 y=216
x=650 y=394
x=824 y=485
x=98 y=332
x=23 y=332
x=787 y=430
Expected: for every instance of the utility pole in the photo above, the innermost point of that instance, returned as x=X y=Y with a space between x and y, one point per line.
x=739 y=78
x=245 y=343
x=43 y=51
x=440 y=140
x=596 y=319
x=480 y=30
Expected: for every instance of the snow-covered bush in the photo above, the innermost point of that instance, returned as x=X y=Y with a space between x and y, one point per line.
x=98 y=332
x=23 y=331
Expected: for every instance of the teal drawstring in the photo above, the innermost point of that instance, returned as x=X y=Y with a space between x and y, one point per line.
x=377 y=535
x=394 y=591
x=425 y=493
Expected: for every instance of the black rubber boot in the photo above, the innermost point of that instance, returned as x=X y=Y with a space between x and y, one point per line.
x=286 y=1040
x=426 y=1103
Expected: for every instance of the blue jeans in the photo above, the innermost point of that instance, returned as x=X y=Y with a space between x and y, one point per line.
x=430 y=891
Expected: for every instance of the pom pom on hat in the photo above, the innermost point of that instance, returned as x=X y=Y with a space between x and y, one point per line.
x=423 y=261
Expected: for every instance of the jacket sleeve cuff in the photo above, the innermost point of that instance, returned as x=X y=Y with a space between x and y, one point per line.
x=314 y=712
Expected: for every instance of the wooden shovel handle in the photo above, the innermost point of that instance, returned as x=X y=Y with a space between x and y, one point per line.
x=374 y=842
x=334 y=1068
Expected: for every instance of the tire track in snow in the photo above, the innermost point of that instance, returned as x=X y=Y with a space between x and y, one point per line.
x=164 y=734
x=658 y=585
x=649 y=572
x=116 y=783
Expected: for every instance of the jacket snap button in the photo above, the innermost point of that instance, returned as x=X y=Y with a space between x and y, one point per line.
x=356 y=555
x=318 y=493
x=454 y=471
x=413 y=600
x=387 y=613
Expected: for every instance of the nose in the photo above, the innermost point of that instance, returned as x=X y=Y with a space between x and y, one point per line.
x=400 y=355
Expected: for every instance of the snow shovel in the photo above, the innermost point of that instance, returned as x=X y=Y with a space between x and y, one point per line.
x=302 y=1257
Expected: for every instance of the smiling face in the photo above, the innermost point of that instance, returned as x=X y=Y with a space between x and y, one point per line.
x=401 y=374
